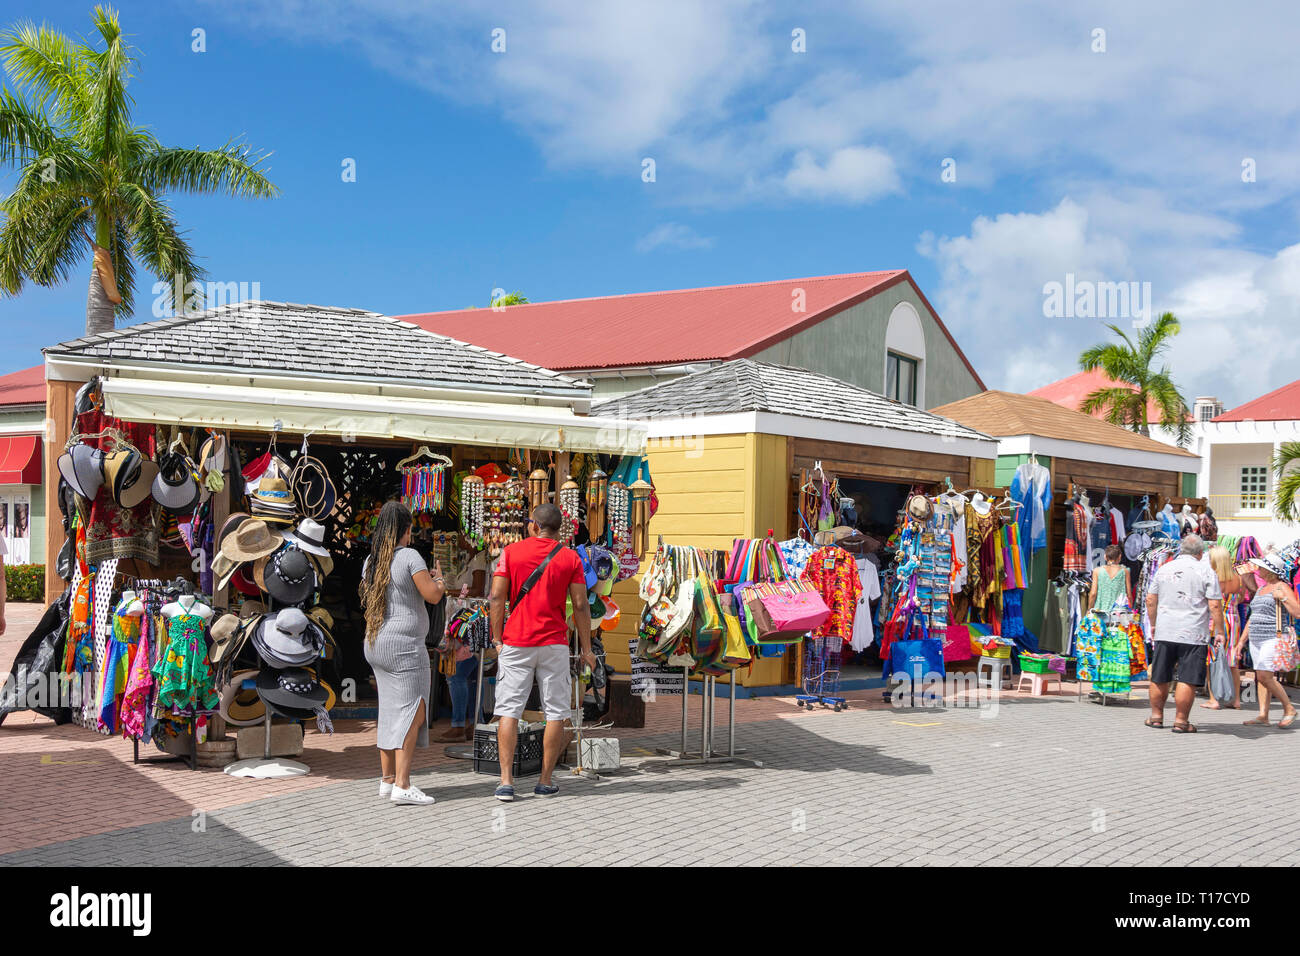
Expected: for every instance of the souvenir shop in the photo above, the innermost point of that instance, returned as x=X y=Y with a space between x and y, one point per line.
x=771 y=495
x=212 y=545
x=1087 y=485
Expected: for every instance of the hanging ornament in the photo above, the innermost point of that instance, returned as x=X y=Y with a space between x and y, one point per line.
x=472 y=505
x=514 y=511
x=537 y=483
x=597 y=489
x=571 y=508
x=618 y=512
x=640 y=491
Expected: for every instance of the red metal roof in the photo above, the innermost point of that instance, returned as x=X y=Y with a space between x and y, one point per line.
x=669 y=327
x=20 y=460
x=1280 y=405
x=1070 y=392
x=23 y=388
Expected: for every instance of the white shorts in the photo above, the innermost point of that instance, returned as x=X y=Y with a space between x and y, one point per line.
x=516 y=667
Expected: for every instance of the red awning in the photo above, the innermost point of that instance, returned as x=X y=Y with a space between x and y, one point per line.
x=20 y=460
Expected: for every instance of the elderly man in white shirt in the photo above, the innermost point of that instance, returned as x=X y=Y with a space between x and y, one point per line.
x=1185 y=606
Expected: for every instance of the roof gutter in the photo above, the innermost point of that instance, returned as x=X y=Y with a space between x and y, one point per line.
x=72 y=367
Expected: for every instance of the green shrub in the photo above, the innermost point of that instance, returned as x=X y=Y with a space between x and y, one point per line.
x=25 y=582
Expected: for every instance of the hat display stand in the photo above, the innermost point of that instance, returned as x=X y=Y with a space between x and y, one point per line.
x=266 y=767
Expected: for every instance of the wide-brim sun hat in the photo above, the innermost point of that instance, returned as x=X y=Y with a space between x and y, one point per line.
x=129 y=476
x=1271 y=563
x=294 y=687
x=312 y=488
x=288 y=576
x=175 y=487
x=82 y=467
x=288 y=639
x=240 y=706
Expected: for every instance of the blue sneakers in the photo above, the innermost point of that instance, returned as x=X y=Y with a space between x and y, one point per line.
x=505 y=793
x=545 y=790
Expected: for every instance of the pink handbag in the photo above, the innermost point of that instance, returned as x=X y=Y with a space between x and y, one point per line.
x=793 y=610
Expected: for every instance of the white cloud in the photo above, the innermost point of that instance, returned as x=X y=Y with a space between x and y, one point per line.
x=854 y=174
x=673 y=235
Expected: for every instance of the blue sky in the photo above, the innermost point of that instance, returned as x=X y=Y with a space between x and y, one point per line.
x=523 y=169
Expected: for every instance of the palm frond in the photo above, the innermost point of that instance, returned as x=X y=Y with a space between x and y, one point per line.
x=50 y=64
x=157 y=239
x=232 y=169
x=24 y=131
x=1285 y=505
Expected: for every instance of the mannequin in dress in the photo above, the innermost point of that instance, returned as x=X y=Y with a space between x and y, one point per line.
x=187 y=604
x=131 y=604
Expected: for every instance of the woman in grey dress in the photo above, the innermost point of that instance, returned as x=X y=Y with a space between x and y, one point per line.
x=395 y=584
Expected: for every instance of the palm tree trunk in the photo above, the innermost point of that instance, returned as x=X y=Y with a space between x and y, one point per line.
x=100 y=316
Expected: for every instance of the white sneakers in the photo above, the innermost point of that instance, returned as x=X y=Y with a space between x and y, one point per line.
x=385 y=789
x=411 y=795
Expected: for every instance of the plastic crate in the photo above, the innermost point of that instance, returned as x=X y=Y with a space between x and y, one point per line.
x=1035 y=665
x=528 y=751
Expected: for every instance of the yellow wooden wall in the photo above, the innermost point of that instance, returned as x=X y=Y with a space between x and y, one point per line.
x=711 y=489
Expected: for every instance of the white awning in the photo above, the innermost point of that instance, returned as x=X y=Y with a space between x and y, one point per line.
x=369 y=416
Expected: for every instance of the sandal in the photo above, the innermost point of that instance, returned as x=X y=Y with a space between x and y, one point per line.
x=1255 y=722
x=1184 y=728
x=1158 y=724
x=1288 y=720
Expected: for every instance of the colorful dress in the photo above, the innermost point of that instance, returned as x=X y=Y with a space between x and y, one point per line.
x=1087 y=648
x=183 y=672
x=834 y=573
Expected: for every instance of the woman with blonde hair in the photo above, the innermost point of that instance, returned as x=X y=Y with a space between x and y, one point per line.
x=1273 y=604
x=1234 y=593
x=395 y=585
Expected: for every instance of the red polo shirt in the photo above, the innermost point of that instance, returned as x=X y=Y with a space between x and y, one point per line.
x=539 y=619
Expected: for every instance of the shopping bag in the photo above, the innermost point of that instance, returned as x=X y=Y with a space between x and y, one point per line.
x=796 y=611
x=736 y=652
x=765 y=631
x=1286 y=655
x=708 y=630
x=917 y=655
x=1222 y=685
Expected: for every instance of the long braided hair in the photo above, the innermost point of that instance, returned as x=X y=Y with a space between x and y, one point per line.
x=393 y=522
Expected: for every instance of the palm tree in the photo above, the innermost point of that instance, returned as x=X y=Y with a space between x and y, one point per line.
x=90 y=182
x=1285 y=505
x=1138 y=384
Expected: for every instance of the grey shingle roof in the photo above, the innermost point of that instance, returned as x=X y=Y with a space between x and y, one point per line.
x=320 y=340
x=744 y=385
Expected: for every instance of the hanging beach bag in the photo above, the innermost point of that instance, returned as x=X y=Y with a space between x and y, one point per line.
x=791 y=610
x=736 y=653
x=1286 y=654
x=956 y=643
x=708 y=630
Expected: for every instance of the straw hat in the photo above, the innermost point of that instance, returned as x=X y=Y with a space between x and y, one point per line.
x=240 y=706
x=273 y=502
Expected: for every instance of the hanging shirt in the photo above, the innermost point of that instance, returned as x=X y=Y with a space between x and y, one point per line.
x=863 y=634
x=834 y=573
x=1031 y=485
x=796 y=553
x=957 y=505
x=1117 y=525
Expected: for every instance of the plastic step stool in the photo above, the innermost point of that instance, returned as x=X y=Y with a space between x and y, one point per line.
x=991 y=668
x=1038 y=683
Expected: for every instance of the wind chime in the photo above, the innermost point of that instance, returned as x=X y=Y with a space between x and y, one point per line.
x=640 y=490
x=537 y=483
x=424 y=483
x=472 y=517
x=571 y=508
x=597 y=490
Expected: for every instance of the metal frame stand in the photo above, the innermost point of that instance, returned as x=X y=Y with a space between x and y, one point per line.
x=706 y=753
x=192 y=759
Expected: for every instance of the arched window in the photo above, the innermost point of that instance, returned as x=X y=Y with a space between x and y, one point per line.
x=905 y=356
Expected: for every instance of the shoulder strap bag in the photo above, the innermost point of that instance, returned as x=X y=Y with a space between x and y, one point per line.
x=532 y=579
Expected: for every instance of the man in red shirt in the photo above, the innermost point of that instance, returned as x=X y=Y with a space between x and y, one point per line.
x=534 y=640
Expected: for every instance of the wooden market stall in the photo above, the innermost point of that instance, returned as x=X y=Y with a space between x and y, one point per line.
x=728 y=446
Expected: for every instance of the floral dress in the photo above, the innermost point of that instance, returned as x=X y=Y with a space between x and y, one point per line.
x=183 y=672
